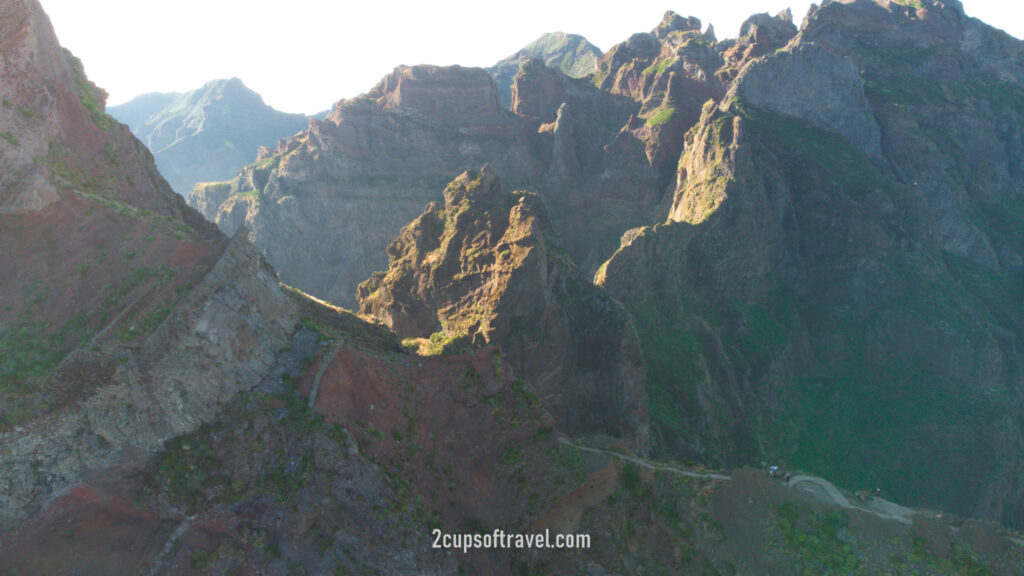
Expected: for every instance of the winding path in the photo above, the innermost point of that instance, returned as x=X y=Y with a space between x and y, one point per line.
x=878 y=507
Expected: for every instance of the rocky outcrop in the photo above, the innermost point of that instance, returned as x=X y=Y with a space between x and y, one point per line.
x=207 y=134
x=324 y=205
x=125 y=318
x=570 y=54
x=482 y=270
x=218 y=340
x=812 y=83
x=833 y=263
x=672 y=72
x=759 y=35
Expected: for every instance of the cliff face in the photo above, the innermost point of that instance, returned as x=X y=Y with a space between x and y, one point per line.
x=325 y=204
x=805 y=297
x=845 y=277
x=601 y=152
x=482 y=270
x=124 y=316
x=208 y=134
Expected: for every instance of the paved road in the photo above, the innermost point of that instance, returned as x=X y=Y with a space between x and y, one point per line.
x=878 y=507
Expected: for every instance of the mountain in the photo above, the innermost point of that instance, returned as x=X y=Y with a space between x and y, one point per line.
x=812 y=258
x=124 y=316
x=482 y=270
x=837 y=282
x=324 y=205
x=754 y=320
x=207 y=134
x=571 y=54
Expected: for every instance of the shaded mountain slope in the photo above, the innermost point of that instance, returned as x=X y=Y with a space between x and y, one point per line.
x=840 y=286
x=601 y=152
x=325 y=204
x=207 y=134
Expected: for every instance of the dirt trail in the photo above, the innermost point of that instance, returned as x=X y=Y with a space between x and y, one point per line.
x=645 y=464
x=325 y=362
x=169 y=546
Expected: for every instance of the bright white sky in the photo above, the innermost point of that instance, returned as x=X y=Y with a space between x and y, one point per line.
x=303 y=55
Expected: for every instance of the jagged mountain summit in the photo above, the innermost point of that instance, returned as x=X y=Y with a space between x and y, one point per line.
x=838 y=280
x=208 y=134
x=482 y=269
x=571 y=54
x=324 y=205
x=814 y=231
x=601 y=152
x=748 y=342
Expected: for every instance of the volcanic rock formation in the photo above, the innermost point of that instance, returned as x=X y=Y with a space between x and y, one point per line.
x=844 y=261
x=483 y=269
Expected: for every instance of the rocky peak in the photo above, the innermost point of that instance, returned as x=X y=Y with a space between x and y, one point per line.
x=810 y=82
x=779 y=26
x=232 y=90
x=709 y=34
x=452 y=94
x=571 y=54
x=40 y=104
x=673 y=22
x=482 y=270
x=759 y=35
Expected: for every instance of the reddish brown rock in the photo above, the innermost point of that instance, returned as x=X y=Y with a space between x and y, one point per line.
x=483 y=269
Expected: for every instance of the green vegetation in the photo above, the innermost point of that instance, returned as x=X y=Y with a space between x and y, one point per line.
x=267 y=164
x=440 y=344
x=31 y=349
x=659 y=66
x=170 y=226
x=89 y=95
x=916 y=4
x=10 y=138
x=189 y=465
x=661 y=115
x=813 y=541
x=829 y=159
x=962 y=560
x=95 y=182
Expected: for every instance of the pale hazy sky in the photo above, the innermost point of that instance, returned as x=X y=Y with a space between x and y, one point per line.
x=303 y=55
